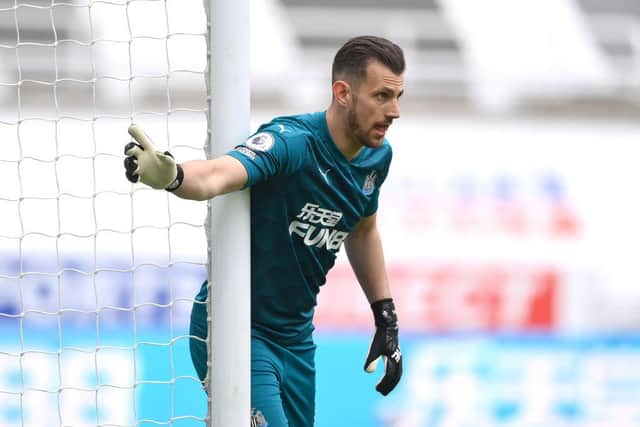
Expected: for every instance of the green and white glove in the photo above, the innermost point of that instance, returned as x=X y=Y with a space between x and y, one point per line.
x=146 y=164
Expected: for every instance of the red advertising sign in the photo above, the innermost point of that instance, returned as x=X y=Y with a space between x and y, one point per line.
x=451 y=297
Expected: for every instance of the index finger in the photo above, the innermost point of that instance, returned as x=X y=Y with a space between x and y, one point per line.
x=141 y=137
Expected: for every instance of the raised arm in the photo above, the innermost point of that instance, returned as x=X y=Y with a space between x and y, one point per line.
x=195 y=179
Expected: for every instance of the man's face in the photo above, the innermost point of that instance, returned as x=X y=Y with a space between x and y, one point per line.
x=374 y=105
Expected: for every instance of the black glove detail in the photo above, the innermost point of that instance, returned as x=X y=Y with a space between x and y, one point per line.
x=130 y=145
x=179 y=176
x=131 y=163
x=385 y=344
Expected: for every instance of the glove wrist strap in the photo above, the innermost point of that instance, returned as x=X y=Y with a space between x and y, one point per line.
x=178 y=181
x=384 y=313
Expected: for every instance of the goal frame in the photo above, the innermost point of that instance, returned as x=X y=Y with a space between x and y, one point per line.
x=228 y=305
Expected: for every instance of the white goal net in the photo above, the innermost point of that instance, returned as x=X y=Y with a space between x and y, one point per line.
x=98 y=276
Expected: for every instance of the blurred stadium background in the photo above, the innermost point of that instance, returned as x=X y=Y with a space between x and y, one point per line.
x=509 y=217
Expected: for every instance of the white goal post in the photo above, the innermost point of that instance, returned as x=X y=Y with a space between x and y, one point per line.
x=97 y=275
x=230 y=266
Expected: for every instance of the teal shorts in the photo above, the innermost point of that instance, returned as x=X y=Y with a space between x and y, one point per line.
x=282 y=377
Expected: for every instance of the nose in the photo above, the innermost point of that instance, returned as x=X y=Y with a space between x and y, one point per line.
x=394 y=110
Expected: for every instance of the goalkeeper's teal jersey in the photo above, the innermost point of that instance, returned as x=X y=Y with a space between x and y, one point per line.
x=305 y=199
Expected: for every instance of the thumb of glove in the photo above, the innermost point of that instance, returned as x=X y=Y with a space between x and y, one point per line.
x=371 y=362
x=141 y=137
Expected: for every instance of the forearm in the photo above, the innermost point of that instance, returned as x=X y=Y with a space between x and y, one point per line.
x=195 y=179
x=364 y=250
x=205 y=179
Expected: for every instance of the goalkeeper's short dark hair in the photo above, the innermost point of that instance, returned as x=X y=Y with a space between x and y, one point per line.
x=352 y=59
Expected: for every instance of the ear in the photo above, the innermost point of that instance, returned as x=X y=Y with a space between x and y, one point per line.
x=341 y=92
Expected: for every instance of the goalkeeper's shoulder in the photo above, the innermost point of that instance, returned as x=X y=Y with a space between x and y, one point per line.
x=292 y=129
x=290 y=136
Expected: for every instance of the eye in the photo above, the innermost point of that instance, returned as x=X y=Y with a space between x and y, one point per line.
x=382 y=96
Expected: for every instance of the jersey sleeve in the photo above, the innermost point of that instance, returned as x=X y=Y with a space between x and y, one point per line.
x=372 y=207
x=268 y=153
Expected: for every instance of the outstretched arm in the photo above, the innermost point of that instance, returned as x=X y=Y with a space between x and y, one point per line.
x=195 y=179
x=204 y=179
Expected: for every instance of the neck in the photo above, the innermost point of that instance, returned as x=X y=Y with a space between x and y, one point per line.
x=339 y=130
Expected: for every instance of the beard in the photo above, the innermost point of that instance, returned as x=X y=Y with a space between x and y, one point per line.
x=355 y=131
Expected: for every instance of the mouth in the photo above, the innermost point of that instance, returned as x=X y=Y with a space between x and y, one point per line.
x=381 y=129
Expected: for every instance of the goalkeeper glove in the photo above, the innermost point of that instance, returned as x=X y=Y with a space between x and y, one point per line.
x=154 y=168
x=385 y=344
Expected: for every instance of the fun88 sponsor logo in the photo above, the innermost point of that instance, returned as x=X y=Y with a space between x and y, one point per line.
x=315 y=227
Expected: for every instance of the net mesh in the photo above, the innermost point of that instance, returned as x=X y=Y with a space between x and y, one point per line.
x=97 y=276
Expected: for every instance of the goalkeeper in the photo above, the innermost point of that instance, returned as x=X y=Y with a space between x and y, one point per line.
x=315 y=180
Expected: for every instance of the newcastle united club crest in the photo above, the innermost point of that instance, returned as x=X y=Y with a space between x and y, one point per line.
x=369 y=183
